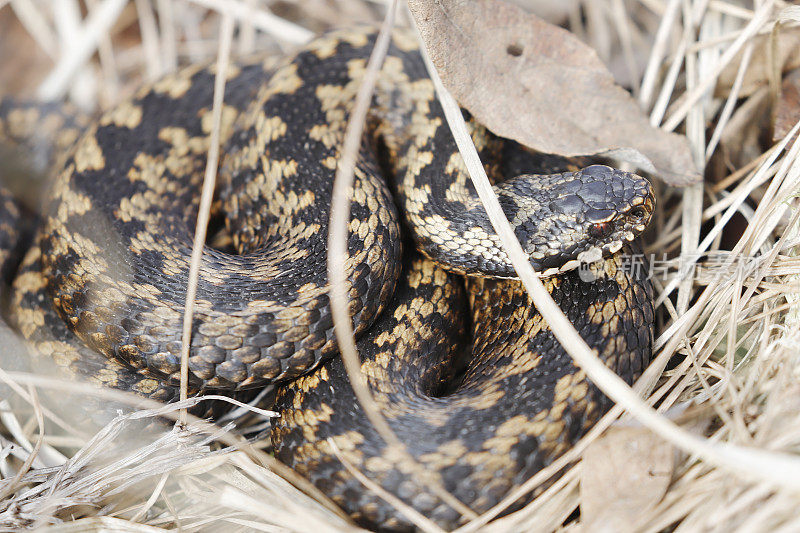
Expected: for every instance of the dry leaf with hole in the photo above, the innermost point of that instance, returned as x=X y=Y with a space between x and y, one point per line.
x=540 y=85
x=623 y=474
x=787 y=110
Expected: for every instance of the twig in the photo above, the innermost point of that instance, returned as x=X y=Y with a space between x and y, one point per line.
x=150 y=40
x=207 y=195
x=689 y=99
x=99 y=22
x=169 y=39
x=11 y=485
x=260 y=19
x=108 y=64
x=730 y=102
x=159 y=488
x=657 y=52
x=36 y=25
x=151 y=409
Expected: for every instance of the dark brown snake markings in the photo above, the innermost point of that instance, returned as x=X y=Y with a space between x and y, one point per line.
x=483 y=399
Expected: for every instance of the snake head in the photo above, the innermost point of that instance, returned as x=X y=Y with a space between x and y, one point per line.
x=563 y=220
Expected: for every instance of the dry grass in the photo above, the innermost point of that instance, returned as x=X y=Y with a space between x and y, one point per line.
x=729 y=336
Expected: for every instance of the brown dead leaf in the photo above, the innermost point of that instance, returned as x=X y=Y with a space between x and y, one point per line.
x=787 y=57
x=787 y=109
x=538 y=84
x=623 y=473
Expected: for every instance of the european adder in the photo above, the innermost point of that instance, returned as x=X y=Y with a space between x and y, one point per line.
x=463 y=367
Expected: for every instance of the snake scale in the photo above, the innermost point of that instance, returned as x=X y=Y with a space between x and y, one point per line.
x=463 y=367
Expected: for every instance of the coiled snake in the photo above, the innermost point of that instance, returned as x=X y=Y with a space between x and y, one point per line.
x=483 y=398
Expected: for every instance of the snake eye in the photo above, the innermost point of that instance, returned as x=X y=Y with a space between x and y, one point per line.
x=638 y=212
x=598 y=230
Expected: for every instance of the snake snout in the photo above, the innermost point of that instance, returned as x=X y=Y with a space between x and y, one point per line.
x=579 y=215
x=620 y=205
x=636 y=204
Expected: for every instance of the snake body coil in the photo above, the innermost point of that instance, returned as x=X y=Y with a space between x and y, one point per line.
x=102 y=289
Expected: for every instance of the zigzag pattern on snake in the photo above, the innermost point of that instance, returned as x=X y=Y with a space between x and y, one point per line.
x=102 y=289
